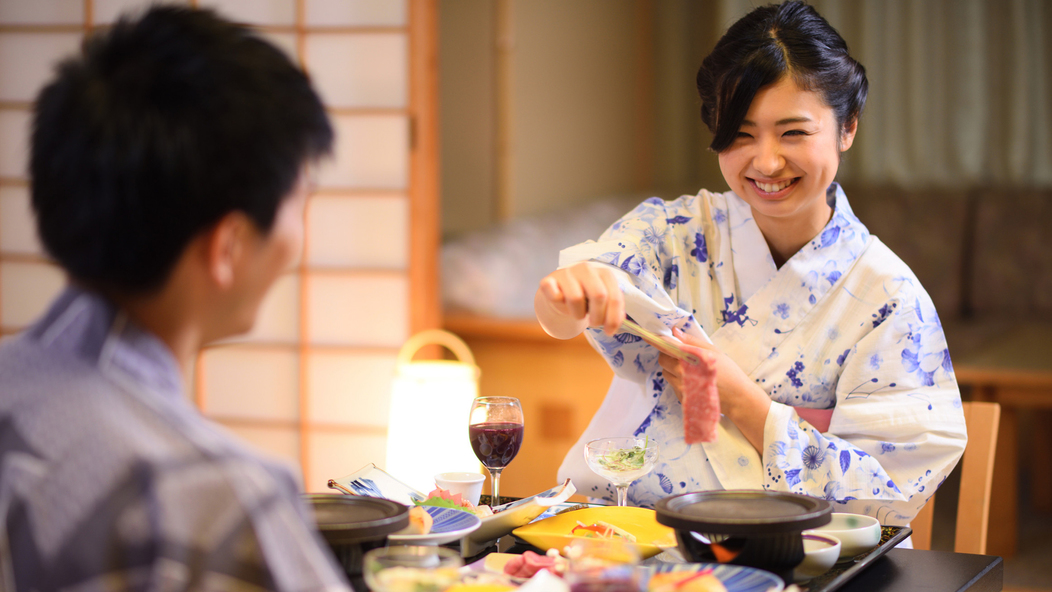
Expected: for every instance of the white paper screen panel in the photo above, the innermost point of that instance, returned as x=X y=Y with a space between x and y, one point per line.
x=42 y=12
x=14 y=142
x=358 y=231
x=255 y=12
x=350 y=389
x=359 y=310
x=26 y=290
x=18 y=230
x=333 y=455
x=283 y=443
x=251 y=383
x=371 y=151
x=359 y=70
x=27 y=61
x=107 y=11
x=356 y=13
x=278 y=319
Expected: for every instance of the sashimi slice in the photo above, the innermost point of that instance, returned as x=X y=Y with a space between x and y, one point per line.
x=701 y=398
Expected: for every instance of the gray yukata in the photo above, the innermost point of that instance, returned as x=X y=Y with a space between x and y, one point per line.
x=110 y=479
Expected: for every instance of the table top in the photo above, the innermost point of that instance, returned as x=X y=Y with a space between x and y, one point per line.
x=910 y=569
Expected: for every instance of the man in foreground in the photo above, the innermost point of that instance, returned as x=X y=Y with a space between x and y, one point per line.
x=169 y=175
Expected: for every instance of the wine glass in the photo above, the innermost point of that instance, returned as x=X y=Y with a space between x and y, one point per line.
x=495 y=429
x=602 y=565
x=421 y=568
x=621 y=460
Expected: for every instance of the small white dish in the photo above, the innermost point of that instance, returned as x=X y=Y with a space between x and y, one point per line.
x=448 y=526
x=468 y=485
x=857 y=533
x=821 y=552
x=508 y=517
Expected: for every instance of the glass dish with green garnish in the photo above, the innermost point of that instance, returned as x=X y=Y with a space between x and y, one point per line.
x=621 y=461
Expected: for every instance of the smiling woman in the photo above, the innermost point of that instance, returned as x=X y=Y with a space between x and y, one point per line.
x=784 y=156
x=832 y=369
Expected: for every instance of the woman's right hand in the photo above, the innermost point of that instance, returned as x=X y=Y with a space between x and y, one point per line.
x=583 y=295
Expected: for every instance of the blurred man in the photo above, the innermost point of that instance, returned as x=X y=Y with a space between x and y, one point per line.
x=169 y=174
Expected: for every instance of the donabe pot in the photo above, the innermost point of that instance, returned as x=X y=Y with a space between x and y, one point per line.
x=353 y=525
x=759 y=529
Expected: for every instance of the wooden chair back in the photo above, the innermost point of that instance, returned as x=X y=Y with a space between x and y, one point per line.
x=977 y=471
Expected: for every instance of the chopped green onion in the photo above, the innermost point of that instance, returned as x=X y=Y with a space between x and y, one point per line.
x=625 y=459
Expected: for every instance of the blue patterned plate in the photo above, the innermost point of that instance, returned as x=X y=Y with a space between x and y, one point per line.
x=449 y=525
x=735 y=577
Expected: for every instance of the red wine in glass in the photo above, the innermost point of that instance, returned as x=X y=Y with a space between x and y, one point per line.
x=495 y=444
x=495 y=429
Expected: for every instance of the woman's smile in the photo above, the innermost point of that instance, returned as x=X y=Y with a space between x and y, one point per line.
x=773 y=190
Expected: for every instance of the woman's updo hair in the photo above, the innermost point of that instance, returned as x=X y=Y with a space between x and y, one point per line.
x=767 y=44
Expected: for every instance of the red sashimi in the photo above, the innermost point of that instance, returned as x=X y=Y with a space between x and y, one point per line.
x=701 y=398
x=528 y=564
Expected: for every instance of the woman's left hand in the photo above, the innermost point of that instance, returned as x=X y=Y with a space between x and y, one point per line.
x=742 y=400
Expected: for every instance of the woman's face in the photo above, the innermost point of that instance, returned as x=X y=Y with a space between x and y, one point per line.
x=784 y=158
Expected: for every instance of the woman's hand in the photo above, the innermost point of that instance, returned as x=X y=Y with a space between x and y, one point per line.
x=583 y=295
x=741 y=399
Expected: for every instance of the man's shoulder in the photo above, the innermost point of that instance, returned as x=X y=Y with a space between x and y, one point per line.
x=30 y=371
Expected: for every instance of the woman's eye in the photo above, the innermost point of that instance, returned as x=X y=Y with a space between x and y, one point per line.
x=795 y=133
x=743 y=135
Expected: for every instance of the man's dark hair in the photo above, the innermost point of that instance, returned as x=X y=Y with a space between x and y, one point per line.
x=160 y=127
x=789 y=39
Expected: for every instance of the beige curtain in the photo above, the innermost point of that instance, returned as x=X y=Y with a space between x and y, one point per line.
x=960 y=90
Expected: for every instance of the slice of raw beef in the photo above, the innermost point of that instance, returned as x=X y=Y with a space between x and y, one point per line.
x=701 y=399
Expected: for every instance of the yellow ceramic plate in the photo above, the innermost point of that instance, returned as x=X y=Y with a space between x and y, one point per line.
x=554 y=532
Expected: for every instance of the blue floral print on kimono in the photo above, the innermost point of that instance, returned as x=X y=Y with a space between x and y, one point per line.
x=842 y=326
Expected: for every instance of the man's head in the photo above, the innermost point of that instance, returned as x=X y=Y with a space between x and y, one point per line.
x=162 y=127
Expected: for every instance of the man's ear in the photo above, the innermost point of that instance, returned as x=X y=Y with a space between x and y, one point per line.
x=225 y=244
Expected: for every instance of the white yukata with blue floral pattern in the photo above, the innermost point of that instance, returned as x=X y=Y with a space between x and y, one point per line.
x=844 y=326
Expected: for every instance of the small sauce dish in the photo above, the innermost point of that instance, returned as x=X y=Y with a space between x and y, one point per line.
x=857 y=533
x=821 y=552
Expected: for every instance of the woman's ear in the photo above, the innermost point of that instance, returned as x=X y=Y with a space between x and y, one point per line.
x=225 y=248
x=847 y=137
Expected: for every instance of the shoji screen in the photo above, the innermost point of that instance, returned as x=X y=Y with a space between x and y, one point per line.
x=311 y=382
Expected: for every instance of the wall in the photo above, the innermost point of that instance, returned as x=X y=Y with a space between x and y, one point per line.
x=311 y=382
x=468 y=113
x=548 y=104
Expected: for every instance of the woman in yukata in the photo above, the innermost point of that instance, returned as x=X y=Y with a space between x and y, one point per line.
x=832 y=368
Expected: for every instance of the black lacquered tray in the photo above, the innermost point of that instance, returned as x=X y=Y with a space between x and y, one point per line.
x=841 y=573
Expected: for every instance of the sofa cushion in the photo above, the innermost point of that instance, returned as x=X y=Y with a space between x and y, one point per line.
x=1012 y=273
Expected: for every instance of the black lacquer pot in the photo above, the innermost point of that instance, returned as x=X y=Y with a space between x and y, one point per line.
x=353 y=525
x=744 y=527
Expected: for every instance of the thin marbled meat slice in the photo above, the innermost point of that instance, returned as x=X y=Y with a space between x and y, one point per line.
x=701 y=399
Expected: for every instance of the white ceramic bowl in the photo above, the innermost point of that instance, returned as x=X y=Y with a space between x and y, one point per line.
x=857 y=533
x=821 y=552
x=468 y=485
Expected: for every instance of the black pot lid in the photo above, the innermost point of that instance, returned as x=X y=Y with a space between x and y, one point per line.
x=347 y=519
x=743 y=512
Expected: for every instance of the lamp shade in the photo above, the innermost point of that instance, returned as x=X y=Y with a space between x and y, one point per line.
x=427 y=430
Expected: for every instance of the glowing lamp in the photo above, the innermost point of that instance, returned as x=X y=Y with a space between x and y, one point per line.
x=427 y=431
